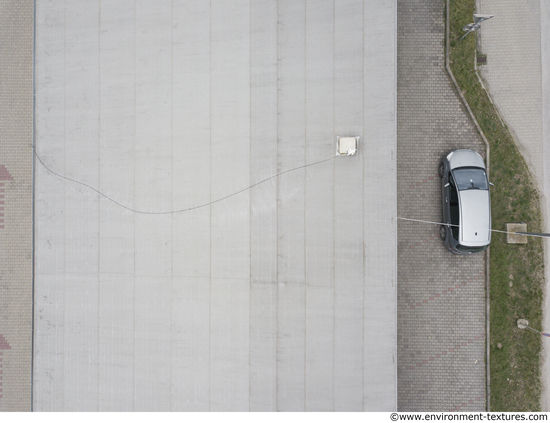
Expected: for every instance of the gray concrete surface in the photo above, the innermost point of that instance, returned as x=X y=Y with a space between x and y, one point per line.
x=16 y=158
x=282 y=297
x=441 y=297
x=511 y=40
x=517 y=71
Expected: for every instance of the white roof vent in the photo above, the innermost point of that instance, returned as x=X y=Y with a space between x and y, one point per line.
x=346 y=146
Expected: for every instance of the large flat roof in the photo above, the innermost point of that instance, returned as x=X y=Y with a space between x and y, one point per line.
x=281 y=297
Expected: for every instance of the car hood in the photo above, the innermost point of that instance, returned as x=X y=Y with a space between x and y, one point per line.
x=466 y=158
x=475 y=207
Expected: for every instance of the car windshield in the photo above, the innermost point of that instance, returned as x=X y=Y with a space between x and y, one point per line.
x=470 y=178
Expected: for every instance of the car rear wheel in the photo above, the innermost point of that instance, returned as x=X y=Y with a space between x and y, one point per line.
x=441 y=169
x=442 y=232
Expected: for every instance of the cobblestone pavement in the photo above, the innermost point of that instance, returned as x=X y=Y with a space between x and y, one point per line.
x=441 y=297
x=16 y=128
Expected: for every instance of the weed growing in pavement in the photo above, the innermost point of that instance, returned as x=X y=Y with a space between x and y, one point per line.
x=516 y=271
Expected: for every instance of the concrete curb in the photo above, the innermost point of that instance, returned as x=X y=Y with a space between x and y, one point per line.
x=480 y=131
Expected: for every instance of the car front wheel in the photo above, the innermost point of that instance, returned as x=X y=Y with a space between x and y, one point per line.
x=441 y=169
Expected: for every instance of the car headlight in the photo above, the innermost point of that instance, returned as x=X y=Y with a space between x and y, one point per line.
x=450 y=155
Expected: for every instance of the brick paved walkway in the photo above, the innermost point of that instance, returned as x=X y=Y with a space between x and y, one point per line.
x=16 y=129
x=441 y=297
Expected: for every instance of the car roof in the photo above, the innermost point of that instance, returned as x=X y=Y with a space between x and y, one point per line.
x=475 y=217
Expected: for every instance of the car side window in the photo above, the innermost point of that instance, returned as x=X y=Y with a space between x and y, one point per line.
x=453 y=203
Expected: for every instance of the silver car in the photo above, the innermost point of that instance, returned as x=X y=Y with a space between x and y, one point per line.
x=466 y=202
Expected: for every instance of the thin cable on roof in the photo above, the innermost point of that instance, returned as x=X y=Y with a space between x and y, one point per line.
x=180 y=210
x=239 y=192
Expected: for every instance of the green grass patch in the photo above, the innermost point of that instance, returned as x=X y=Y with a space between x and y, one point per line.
x=516 y=271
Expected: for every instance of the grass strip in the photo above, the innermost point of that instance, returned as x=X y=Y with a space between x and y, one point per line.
x=516 y=270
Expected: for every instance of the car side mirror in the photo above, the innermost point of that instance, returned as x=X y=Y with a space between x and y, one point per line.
x=490 y=183
x=448 y=183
